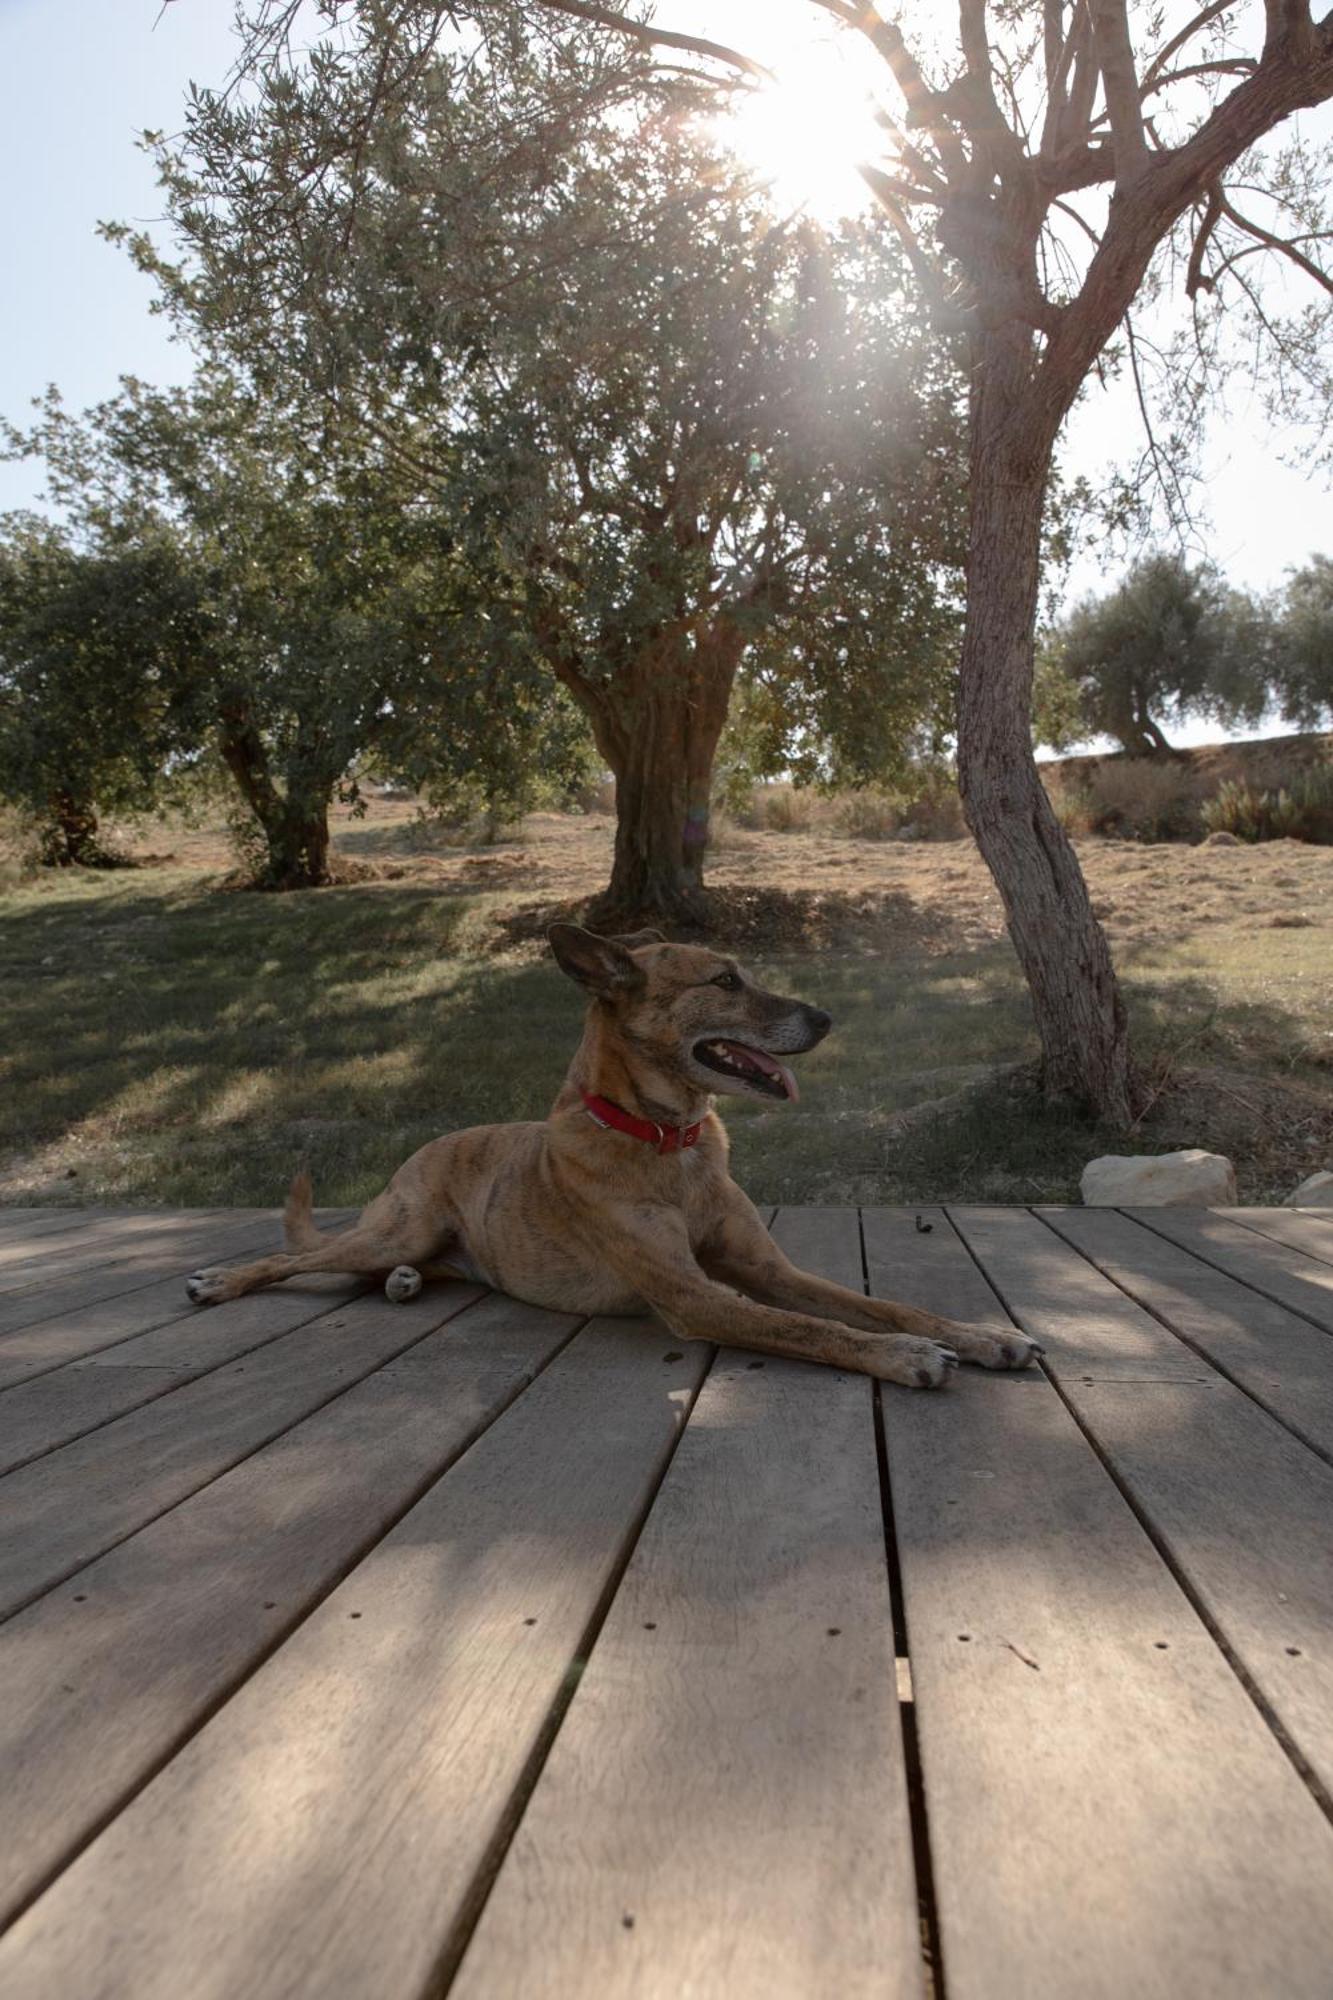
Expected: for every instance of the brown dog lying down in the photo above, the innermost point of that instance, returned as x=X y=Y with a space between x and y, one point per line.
x=621 y=1201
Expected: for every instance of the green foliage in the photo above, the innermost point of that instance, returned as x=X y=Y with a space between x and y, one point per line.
x=328 y=619
x=1304 y=664
x=1167 y=642
x=672 y=435
x=96 y=696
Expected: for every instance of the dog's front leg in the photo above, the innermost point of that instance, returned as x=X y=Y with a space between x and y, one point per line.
x=661 y=1267
x=742 y=1253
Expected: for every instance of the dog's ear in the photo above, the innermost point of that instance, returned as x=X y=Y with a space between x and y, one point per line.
x=601 y=964
x=633 y=939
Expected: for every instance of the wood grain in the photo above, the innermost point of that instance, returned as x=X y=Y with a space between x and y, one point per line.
x=733 y=1754
x=66 y=1508
x=73 y=1333
x=194 y=1241
x=1108 y=1812
x=1282 y=1361
x=104 y=1679
x=126 y=1240
x=325 y=1833
x=1310 y=1230
x=1243 y=1508
x=1290 y=1277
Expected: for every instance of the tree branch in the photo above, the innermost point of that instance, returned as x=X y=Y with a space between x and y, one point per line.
x=1196 y=279
x=1283 y=245
x=1288 y=27
x=926 y=108
x=1120 y=81
x=1178 y=41
x=648 y=36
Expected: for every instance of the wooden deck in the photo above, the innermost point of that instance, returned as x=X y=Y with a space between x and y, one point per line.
x=386 y=1651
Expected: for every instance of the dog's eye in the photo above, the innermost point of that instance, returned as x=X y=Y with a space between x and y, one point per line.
x=730 y=982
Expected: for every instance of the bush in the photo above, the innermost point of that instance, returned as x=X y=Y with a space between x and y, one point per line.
x=1302 y=810
x=1071 y=799
x=932 y=812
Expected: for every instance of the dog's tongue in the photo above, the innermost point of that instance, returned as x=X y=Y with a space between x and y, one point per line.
x=760 y=1059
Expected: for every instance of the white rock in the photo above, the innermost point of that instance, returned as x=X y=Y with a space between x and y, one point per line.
x=1192 y=1179
x=1317 y=1192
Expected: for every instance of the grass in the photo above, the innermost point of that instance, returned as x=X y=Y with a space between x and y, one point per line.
x=163 y=1041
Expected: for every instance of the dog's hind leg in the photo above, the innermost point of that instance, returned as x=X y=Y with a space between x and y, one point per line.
x=405 y=1280
x=358 y=1251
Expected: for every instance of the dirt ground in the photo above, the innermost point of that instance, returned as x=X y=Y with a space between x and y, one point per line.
x=810 y=889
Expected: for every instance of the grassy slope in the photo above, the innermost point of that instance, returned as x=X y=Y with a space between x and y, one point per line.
x=161 y=1041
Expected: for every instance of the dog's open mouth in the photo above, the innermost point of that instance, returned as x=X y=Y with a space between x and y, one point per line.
x=755 y=1068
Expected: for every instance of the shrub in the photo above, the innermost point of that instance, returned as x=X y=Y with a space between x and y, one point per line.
x=1071 y=799
x=1302 y=810
x=930 y=811
x=1141 y=798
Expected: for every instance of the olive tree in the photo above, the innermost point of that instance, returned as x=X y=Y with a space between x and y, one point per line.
x=1048 y=165
x=96 y=692
x=669 y=432
x=1170 y=640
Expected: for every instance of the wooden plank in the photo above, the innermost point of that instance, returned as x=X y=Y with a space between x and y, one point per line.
x=19 y=1225
x=24 y=1232
x=1107 y=1811
x=1282 y=1361
x=1287 y=1276
x=64 y=1509
x=108 y=1245
x=99 y=1692
x=1243 y=1509
x=205 y=1242
x=105 y=1324
x=52 y=1409
x=325 y=1833
x=724 y=1812
x=1309 y=1230
x=1090 y=1328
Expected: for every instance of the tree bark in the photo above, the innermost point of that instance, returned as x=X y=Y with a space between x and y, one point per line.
x=1062 y=949
x=295 y=825
x=657 y=723
x=69 y=834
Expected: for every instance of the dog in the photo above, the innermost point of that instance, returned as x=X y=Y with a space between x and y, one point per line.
x=621 y=1201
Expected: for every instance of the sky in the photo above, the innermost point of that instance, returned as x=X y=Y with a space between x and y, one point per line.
x=79 y=79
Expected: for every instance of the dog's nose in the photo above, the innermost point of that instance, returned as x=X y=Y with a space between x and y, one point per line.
x=819 y=1021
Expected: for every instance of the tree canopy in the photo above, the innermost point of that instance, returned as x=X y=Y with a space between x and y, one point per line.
x=1171 y=640
x=672 y=435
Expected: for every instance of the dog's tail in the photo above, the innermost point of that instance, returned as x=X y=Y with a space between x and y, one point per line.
x=298 y=1217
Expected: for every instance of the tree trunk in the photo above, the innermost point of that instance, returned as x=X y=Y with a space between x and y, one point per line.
x=298 y=844
x=69 y=834
x=295 y=826
x=1061 y=946
x=658 y=724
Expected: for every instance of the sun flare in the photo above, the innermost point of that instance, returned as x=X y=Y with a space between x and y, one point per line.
x=804 y=135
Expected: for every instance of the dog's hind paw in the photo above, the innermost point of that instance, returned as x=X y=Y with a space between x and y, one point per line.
x=203 y=1288
x=402 y=1284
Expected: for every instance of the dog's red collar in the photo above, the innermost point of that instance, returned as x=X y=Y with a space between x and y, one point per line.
x=664 y=1138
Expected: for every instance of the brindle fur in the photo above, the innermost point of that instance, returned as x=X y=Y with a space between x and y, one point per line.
x=582 y=1219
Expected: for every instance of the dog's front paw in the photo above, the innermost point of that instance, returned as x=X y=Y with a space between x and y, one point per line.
x=403 y=1283
x=995 y=1346
x=917 y=1364
x=205 y=1288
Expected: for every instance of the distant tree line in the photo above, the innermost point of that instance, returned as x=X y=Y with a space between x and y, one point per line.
x=1174 y=640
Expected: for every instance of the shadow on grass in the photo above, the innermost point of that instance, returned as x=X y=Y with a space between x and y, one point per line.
x=170 y=1044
